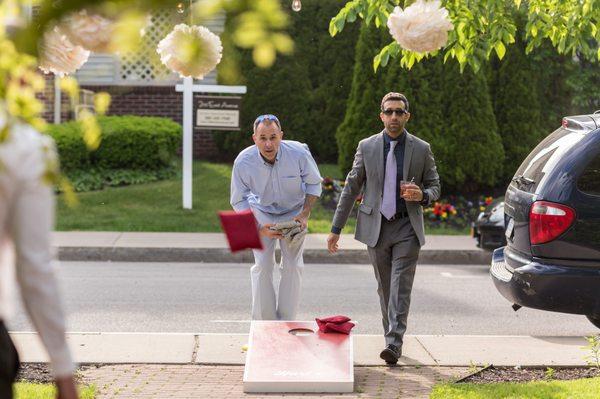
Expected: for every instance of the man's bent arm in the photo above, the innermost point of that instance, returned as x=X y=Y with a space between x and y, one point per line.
x=309 y=172
x=431 y=179
x=239 y=190
x=309 y=202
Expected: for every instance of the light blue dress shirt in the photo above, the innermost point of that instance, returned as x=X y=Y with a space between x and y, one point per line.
x=278 y=188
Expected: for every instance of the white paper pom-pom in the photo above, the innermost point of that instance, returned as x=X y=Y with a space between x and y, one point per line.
x=191 y=51
x=422 y=27
x=58 y=55
x=90 y=31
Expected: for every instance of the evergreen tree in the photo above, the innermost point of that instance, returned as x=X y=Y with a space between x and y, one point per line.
x=517 y=108
x=363 y=107
x=306 y=90
x=584 y=81
x=422 y=85
x=329 y=62
x=554 y=93
x=473 y=154
x=432 y=89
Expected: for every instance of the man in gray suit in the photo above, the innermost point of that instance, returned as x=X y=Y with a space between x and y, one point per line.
x=389 y=222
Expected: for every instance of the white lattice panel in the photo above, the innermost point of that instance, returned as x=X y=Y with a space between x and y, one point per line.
x=144 y=65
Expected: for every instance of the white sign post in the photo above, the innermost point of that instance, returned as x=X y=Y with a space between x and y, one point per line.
x=189 y=88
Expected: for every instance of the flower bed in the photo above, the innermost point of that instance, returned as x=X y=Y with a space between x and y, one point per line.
x=456 y=212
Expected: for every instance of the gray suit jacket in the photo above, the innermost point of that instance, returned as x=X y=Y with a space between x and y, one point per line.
x=367 y=174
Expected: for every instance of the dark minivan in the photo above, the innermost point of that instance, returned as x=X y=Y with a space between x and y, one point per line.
x=552 y=216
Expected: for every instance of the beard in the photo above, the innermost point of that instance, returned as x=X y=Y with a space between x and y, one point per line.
x=395 y=128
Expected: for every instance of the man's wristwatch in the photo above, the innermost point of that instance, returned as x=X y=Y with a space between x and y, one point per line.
x=425 y=200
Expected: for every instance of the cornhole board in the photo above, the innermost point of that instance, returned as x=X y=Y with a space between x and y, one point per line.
x=293 y=356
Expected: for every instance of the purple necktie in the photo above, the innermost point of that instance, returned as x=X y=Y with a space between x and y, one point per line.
x=388 y=205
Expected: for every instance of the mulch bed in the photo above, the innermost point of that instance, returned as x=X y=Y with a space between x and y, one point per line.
x=40 y=373
x=526 y=374
x=35 y=372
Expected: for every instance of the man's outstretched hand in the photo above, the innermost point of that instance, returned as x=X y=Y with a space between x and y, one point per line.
x=332 y=243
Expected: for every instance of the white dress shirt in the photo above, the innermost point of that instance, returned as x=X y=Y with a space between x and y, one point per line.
x=278 y=188
x=26 y=221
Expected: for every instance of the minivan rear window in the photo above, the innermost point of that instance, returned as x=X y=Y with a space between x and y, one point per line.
x=543 y=158
x=589 y=181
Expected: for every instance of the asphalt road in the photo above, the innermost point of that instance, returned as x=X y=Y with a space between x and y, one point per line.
x=215 y=298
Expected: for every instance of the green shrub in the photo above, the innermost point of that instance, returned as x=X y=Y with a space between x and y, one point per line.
x=128 y=142
x=136 y=142
x=72 y=150
x=96 y=179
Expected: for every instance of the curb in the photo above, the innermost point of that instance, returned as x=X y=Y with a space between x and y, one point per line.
x=222 y=255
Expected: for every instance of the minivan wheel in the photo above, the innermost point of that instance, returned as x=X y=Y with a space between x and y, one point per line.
x=595 y=319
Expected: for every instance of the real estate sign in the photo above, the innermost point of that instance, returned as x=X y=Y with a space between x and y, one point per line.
x=218 y=112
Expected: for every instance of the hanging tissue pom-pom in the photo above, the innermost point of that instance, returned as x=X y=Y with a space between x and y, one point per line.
x=421 y=27
x=58 y=55
x=90 y=31
x=190 y=50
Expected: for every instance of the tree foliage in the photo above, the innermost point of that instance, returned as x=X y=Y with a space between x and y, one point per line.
x=362 y=111
x=517 y=107
x=483 y=27
x=473 y=152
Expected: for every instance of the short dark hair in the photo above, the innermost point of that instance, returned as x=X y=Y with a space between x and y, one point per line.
x=393 y=96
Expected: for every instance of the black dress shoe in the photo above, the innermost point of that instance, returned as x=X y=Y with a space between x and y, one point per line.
x=391 y=354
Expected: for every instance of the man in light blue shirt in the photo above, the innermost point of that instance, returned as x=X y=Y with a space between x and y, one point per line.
x=279 y=181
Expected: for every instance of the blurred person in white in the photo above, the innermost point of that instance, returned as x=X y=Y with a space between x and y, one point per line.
x=26 y=220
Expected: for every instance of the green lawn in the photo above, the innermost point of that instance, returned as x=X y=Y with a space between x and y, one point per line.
x=587 y=388
x=157 y=206
x=27 y=390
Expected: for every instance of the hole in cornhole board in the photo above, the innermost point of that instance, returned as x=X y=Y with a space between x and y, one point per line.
x=301 y=331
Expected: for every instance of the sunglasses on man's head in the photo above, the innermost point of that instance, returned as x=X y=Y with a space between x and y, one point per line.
x=398 y=112
x=267 y=117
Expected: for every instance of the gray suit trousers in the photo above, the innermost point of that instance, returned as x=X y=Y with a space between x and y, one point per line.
x=394 y=260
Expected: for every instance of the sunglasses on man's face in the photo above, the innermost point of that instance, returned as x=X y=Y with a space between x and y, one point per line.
x=398 y=112
x=269 y=117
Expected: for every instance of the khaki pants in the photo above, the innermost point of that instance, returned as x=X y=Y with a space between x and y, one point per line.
x=9 y=363
x=266 y=303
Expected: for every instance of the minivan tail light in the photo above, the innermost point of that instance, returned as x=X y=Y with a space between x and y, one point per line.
x=548 y=220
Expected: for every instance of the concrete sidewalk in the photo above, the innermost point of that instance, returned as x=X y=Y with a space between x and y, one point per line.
x=212 y=247
x=226 y=349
